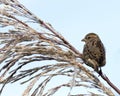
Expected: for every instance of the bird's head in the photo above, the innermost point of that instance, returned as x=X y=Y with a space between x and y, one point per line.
x=89 y=37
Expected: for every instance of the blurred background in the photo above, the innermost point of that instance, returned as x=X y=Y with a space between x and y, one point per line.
x=74 y=19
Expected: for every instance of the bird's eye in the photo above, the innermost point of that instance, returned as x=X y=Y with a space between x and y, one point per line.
x=88 y=37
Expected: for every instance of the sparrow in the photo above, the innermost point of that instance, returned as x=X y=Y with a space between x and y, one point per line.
x=94 y=52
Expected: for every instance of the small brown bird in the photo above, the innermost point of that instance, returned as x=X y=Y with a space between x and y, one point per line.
x=94 y=52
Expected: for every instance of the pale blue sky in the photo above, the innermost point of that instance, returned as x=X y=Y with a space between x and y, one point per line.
x=75 y=18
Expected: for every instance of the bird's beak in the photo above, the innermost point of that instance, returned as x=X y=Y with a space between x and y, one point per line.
x=83 y=40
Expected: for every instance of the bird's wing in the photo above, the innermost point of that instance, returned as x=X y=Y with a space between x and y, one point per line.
x=98 y=52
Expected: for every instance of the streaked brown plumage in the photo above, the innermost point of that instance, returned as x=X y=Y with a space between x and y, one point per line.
x=94 y=51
